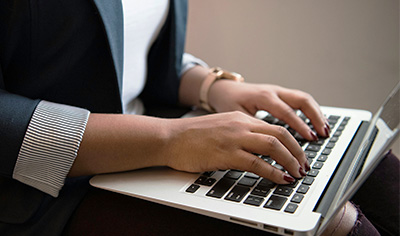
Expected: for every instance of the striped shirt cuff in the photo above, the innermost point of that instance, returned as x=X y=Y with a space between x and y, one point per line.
x=50 y=146
x=189 y=61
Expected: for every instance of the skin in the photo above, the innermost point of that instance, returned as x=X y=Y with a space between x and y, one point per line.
x=225 y=140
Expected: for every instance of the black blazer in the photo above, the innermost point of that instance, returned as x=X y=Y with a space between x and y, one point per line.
x=68 y=52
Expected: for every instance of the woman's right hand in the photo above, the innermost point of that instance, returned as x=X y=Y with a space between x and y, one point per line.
x=228 y=141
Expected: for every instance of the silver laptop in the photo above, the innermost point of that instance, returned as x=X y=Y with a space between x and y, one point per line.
x=339 y=166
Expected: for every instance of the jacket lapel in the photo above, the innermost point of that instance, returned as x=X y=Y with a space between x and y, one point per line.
x=112 y=16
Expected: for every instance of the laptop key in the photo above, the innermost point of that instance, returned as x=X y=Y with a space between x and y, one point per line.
x=267 y=183
x=313 y=148
x=275 y=202
x=237 y=193
x=283 y=190
x=313 y=173
x=317 y=165
x=232 y=174
x=261 y=191
x=308 y=180
x=252 y=175
x=221 y=187
x=291 y=208
x=303 y=189
x=297 y=198
x=192 y=188
x=310 y=154
x=326 y=151
x=253 y=200
x=247 y=181
x=322 y=158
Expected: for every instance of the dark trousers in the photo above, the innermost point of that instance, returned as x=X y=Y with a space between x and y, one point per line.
x=106 y=213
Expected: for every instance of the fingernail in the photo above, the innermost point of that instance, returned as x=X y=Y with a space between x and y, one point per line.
x=328 y=126
x=314 y=136
x=307 y=166
x=326 y=131
x=288 y=178
x=302 y=172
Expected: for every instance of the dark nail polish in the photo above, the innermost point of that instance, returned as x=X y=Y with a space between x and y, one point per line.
x=302 y=172
x=328 y=126
x=314 y=136
x=288 y=178
x=326 y=131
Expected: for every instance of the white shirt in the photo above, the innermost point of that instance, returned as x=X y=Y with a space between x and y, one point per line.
x=143 y=21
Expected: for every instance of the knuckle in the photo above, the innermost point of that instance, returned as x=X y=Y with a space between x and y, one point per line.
x=281 y=132
x=272 y=142
x=255 y=164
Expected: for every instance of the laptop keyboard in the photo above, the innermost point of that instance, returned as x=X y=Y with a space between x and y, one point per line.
x=251 y=189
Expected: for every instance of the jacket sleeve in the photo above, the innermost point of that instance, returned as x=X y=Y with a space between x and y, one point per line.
x=39 y=140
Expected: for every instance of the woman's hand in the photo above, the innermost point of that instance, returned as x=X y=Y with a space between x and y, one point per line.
x=228 y=141
x=226 y=95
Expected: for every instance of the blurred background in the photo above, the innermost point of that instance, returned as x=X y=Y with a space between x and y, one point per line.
x=344 y=53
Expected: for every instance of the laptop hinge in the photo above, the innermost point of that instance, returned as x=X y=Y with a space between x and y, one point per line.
x=337 y=178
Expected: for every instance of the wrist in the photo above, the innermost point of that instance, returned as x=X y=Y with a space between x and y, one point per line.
x=215 y=74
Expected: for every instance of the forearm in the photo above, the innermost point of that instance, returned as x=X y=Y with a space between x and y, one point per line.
x=113 y=143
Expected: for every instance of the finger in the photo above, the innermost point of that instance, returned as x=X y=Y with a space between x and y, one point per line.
x=286 y=113
x=271 y=146
x=307 y=104
x=254 y=164
x=283 y=135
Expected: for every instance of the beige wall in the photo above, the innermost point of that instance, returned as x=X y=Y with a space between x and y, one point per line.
x=344 y=52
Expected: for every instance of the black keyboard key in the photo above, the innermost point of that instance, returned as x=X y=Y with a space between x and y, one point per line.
x=208 y=173
x=293 y=184
x=310 y=154
x=291 y=208
x=267 y=183
x=253 y=200
x=209 y=182
x=221 y=187
x=283 y=190
x=247 y=181
x=252 y=175
x=267 y=159
x=318 y=165
x=192 y=188
x=313 y=148
x=200 y=180
x=313 y=173
x=303 y=189
x=334 y=139
x=326 y=151
x=261 y=191
x=334 y=118
x=330 y=145
x=340 y=128
x=319 y=142
x=322 y=158
x=237 y=193
x=233 y=174
x=297 y=198
x=308 y=180
x=337 y=134
x=275 y=202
